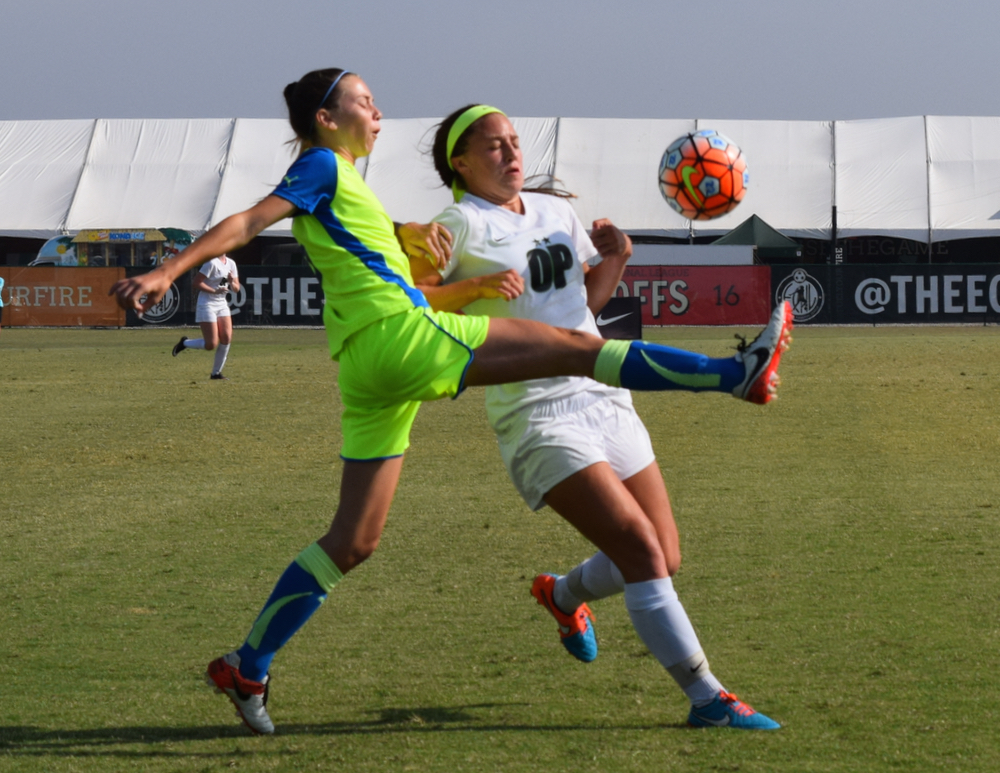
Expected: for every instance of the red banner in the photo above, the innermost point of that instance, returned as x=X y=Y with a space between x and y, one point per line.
x=61 y=296
x=700 y=295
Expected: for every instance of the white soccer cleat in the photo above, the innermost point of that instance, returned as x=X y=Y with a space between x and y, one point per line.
x=249 y=697
x=762 y=355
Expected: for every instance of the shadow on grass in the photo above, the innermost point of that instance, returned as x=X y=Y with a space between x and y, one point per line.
x=33 y=741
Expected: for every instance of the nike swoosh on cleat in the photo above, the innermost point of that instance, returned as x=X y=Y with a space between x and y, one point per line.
x=601 y=321
x=761 y=360
x=684 y=379
x=563 y=630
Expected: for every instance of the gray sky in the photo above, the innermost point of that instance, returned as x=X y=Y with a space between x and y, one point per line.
x=769 y=59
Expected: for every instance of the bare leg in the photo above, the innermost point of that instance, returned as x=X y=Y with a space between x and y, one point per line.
x=597 y=577
x=521 y=349
x=224 y=333
x=224 y=326
x=605 y=512
x=647 y=488
x=209 y=334
x=366 y=491
x=639 y=542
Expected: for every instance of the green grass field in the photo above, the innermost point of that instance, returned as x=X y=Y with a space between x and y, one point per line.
x=841 y=550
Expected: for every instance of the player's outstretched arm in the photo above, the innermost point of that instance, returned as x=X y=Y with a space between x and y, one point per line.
x=457 y=295
x=230 y=234
x=615 y=248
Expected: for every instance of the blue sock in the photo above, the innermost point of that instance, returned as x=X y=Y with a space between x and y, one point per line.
x=653 y=367
x=300 y=591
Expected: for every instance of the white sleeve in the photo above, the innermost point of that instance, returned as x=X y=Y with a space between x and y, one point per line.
x=585 y=250
x=455 y=220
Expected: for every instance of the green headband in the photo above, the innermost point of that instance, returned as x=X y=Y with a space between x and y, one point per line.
x=462 y=123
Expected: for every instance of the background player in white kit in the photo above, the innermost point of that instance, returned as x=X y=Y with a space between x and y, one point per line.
x=572 y=443
x=214 y=281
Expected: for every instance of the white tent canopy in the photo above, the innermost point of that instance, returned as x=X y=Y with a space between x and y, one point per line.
x=923 y=178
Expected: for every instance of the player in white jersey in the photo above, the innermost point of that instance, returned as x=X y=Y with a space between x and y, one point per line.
x=572 y=443
x=214 y=281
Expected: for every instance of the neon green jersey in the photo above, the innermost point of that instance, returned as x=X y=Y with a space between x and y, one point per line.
x=350 y=241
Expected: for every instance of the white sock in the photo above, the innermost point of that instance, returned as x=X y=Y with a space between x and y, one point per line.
x=220 y=358
x=595 y=578
x=661 y=622
x=194 y=343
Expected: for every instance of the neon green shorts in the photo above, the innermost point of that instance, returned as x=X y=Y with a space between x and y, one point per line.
x=391 y=366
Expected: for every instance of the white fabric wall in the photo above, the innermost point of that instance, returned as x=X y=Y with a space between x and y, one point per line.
x=40 y=166
x=147 y=174
x=791 y=176
x=916 y=177
x=612 y=166
x=259 y=155
x=881 y=178
x=401 y=173
x=964 y=176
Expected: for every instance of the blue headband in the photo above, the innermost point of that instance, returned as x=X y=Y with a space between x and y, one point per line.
x=329 y=91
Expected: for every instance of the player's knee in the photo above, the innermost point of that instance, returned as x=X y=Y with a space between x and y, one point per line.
x=361 y=553
x=643 y=552
x=348 y=557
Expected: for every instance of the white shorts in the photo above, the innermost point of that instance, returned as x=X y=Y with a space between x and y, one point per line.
x=211 y=308
x=546 y=443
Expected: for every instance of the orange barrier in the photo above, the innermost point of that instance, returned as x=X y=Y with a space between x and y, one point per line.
x=60 y=296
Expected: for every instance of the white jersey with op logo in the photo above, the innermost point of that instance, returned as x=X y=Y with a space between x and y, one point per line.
x=212 y=305
x=216 y=270
x=547 y=246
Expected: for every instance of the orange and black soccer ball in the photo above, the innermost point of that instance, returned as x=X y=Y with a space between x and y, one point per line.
x=703 y=175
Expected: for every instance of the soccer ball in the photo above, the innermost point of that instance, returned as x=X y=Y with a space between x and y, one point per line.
x=703 y=175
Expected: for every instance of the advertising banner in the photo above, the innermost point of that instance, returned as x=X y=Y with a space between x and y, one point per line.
x=271 y=296
x=890 y=294
x=61 y=296
x=700 y=295
x=621 y=318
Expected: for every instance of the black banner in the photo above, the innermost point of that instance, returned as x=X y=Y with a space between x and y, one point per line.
x=889 y=294
x=270 y=296
x=621 y=318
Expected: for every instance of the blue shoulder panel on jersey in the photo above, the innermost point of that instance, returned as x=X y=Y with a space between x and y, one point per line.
x=311 y=182
x=375 y=261
x=311 y=185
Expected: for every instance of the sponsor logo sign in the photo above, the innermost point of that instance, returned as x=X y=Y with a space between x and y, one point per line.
x=165 y=309
x=621 y=318
x=700 y=295
x=61 y=296
x=803 y=292
x=872 y=294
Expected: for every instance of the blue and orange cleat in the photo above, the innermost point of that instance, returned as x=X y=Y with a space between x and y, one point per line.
x=729 y=711
x=576 y=629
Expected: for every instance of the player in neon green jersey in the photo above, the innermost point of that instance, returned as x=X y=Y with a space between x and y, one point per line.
x=394 y=351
